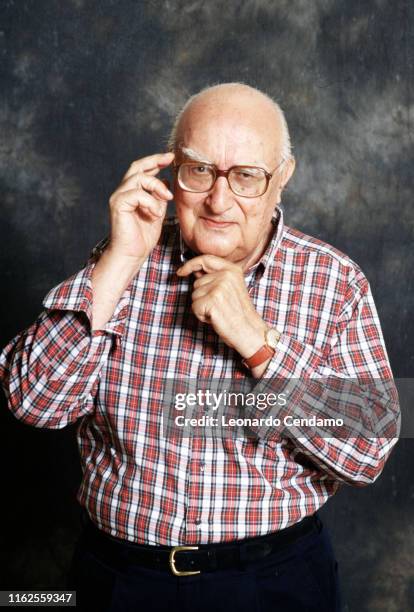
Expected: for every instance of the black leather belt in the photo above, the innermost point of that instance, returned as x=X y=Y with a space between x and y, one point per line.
x=195 y=559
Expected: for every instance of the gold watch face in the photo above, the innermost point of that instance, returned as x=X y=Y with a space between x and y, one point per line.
x=272 y=337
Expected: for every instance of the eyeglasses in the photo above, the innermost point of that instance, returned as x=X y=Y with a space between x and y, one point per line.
x=246 y=181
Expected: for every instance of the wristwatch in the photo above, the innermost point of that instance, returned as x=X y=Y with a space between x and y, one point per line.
x=267 y=351
x=98 y=249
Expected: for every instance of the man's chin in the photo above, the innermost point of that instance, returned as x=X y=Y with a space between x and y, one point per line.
x=209 y=247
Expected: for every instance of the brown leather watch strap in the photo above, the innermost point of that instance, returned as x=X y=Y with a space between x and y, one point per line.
x=265 y=352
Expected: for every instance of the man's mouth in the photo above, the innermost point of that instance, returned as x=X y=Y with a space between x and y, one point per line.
x=216 y=224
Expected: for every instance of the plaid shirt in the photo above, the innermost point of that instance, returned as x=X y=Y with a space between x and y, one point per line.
x=142 y=486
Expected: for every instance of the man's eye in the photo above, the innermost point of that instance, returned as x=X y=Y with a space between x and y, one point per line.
x=200 y=169
x=245 y=175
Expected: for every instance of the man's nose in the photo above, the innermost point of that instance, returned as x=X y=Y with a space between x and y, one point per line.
x=220 y=197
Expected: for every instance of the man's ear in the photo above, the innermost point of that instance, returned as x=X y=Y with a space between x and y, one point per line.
x=287 y=172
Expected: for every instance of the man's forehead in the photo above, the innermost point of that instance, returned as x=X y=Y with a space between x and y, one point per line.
x=232 y=124
x=199 y=156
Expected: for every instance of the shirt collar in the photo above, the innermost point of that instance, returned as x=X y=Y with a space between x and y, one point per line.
x=278 y=224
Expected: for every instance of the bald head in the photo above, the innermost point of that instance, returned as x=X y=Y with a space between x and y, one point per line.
x=233 y=105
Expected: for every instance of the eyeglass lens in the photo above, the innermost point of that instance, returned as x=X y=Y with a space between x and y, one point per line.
x=244 y=181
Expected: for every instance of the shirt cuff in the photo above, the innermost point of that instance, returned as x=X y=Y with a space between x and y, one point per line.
x=292 y=359
x=76 y=293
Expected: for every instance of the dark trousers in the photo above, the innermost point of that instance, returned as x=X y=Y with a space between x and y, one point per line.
x=301 y=577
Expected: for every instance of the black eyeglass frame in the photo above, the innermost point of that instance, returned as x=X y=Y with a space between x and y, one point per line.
x=225 y=173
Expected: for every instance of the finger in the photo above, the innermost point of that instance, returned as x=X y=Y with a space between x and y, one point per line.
x=134 y=199
x=150 y=183
x=151 y=163
x=154 y=212
x=200 y=292
x=204 y=279
x=205 y=263
x=154 y=206
x=152 y=172
x=201 y=310
x=155 y=186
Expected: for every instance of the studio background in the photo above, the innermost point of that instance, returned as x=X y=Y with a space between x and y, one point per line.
x=89 y=86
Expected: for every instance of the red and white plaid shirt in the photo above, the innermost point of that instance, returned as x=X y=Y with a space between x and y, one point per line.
x=141 y=486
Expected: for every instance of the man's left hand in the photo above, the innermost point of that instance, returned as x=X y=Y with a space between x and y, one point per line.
x=220 y=298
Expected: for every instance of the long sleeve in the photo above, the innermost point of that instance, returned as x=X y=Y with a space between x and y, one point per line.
x=50 y=371
x=352 y=379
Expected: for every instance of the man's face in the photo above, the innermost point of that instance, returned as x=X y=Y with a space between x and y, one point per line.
x=218 y=222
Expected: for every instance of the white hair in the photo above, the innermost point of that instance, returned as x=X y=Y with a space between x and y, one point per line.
x=286 y=146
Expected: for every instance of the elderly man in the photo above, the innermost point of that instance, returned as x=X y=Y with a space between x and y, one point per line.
x=223 y=290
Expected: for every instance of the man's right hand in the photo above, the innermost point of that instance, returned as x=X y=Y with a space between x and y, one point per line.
x=138 y=208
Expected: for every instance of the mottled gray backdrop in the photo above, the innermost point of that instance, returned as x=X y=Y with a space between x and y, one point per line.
x=88 y=86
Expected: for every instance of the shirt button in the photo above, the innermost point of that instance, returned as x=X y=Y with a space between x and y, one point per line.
x=197 y=522
x=202 y=466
